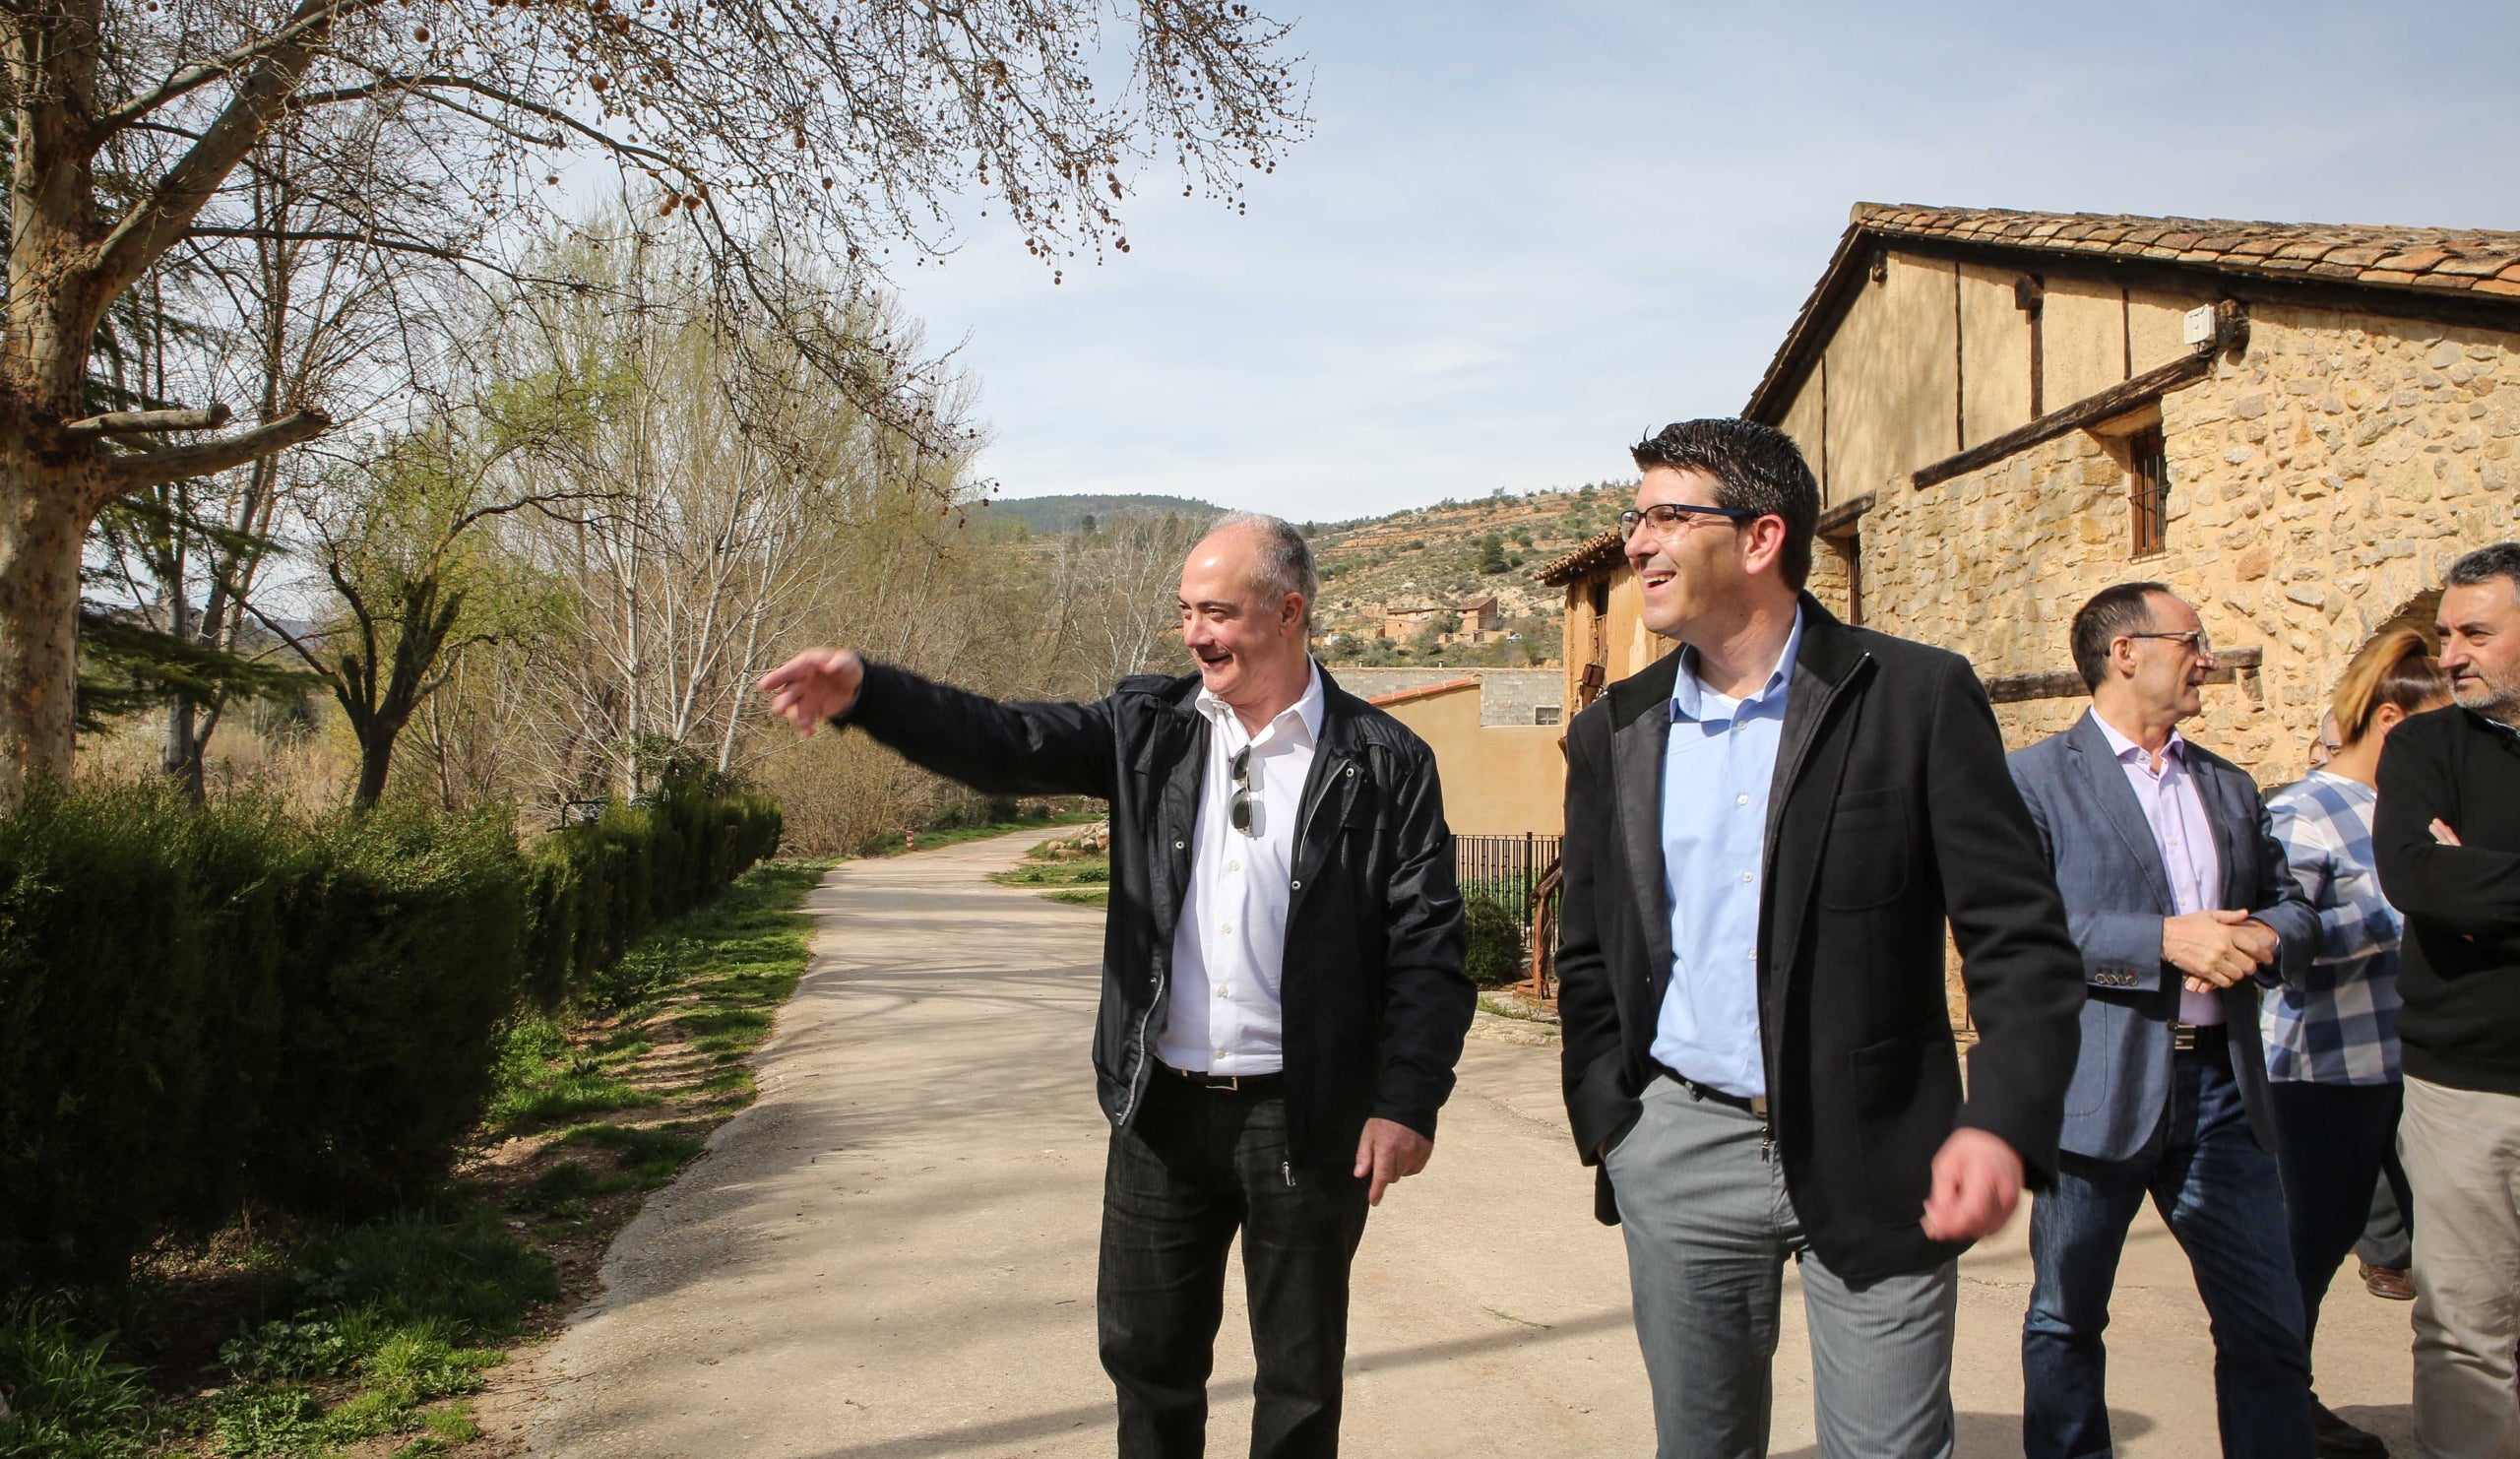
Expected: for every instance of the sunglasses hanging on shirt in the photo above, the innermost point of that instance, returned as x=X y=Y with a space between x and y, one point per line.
x=1243 y=814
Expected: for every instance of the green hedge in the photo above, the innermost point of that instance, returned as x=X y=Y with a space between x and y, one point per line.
x=1492 y=942
x=207 y=1010
x=593 y=887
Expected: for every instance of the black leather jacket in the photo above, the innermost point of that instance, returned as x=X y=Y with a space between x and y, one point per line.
x=1374 y=1000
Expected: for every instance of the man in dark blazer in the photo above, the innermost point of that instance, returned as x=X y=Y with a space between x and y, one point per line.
x=1283 y=994
x=2180 y=899
x=1765 y=834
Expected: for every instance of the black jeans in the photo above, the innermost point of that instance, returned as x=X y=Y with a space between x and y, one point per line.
x=1196 y=1166
x=2333 y=1139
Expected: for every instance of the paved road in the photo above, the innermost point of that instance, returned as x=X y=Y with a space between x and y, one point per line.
x=891 y=1254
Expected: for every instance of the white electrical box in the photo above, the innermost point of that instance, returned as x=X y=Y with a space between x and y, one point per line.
x=2196 y=326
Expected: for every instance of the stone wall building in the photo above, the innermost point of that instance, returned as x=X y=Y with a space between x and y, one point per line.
x=2295 y=426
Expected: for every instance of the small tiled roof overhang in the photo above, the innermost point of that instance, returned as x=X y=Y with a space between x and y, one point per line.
x=2475 y=272
x=1606 y=551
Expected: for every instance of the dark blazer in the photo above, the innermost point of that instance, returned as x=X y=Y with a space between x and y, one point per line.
x=1374 y=999
x=1889 y=811
x=2116 y=894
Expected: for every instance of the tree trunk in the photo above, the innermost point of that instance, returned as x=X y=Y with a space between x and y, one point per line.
x=375 y=759
x=41 y=527
x=181 y=757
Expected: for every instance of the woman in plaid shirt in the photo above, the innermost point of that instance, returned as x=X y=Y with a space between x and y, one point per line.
x=2330 y=1033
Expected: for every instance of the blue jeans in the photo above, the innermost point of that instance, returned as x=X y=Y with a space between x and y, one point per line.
x=2333 y=1137
x=2221 y=1195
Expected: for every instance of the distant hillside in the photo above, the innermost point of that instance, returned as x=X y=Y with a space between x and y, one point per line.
x=1425 y=556
x=1438 y=555
x=1049 y=514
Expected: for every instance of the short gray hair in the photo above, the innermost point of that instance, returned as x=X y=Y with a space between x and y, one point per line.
x=1285 y=559
x=2501 y=560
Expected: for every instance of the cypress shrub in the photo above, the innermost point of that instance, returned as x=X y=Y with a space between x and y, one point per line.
x=205 y=1008
x=594 y=887
x=120 y=1015
x=406 y=944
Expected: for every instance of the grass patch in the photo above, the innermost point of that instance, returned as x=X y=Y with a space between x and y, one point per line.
x=1079 y=881
x=649 y=1157
x=893 y=845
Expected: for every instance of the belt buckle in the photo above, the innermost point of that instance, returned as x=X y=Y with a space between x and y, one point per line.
x=1229 y=1083
x=1759 y=1106
x=2182 y=1036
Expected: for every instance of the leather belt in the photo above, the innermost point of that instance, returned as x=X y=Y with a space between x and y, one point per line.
x=1250 y=1084
x=2200 y=1038
x=1754 y=1104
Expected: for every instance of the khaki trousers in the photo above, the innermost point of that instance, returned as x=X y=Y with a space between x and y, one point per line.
x=2461 y=1149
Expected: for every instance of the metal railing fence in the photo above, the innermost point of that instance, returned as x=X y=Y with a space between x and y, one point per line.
x=1507 y=869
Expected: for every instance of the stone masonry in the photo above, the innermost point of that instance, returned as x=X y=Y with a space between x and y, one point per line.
x=2318 y=486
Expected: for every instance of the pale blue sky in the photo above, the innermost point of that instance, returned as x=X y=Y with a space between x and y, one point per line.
x=1522 y=233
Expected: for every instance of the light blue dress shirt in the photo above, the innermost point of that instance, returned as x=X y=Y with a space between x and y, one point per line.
x=1716 y=774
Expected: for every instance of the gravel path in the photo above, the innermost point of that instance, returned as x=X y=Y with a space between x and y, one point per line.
x=891 y=1254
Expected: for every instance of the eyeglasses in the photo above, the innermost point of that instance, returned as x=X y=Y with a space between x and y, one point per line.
x=1667 y=515
x=2192 y=638
x=1244 y=809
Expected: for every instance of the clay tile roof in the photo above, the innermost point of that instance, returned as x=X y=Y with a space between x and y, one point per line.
x=2438 y=261
x=1424 y=691
x=1606 y=551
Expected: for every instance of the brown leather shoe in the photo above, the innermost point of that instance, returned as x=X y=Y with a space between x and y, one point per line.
x=2391 y=1282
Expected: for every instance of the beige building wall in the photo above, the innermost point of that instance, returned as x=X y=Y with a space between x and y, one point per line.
x=2154 y=323
x=2082 y=340
x=1894 y=378
x=1806 y=420
x=1498 y=780
x=1936 y=359
x=1995 y=376
x=2319 y=485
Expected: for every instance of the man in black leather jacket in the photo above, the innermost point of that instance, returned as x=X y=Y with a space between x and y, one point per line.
x=1283 y=994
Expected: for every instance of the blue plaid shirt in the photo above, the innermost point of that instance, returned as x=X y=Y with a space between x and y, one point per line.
x=2337 y=1021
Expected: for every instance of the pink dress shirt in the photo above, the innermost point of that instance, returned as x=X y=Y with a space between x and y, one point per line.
x=2176 y=812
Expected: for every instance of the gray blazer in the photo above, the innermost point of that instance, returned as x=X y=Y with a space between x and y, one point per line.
x=2116 y=894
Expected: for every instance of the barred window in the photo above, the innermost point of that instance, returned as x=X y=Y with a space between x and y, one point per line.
x=2148 y=483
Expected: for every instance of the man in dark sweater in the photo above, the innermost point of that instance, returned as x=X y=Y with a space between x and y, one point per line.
x=2446 y=834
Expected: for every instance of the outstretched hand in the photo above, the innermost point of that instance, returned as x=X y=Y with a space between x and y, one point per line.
x=1977 y=1184
x=813 y=687
x=1387 y=1151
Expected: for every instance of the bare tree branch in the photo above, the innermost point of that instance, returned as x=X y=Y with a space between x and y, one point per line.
x=206 y=458
x=141 y=422
x=310 y=18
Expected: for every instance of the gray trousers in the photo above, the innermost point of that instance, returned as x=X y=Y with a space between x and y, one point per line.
x=2462 y=1153
x=1709 y=1230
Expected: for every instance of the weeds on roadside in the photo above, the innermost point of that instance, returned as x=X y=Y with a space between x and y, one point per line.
x=1077 y=880
x=69 y=1398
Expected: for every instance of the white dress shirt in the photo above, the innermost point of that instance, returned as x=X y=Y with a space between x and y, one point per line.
x=2176 y=810
x=1229 y=948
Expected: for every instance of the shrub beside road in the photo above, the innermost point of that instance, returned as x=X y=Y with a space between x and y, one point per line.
x=265 y=1044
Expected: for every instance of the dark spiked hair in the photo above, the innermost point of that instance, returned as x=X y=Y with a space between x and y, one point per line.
x=1756 y=468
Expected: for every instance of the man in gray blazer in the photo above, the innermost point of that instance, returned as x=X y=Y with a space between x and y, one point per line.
x=2177 y=892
